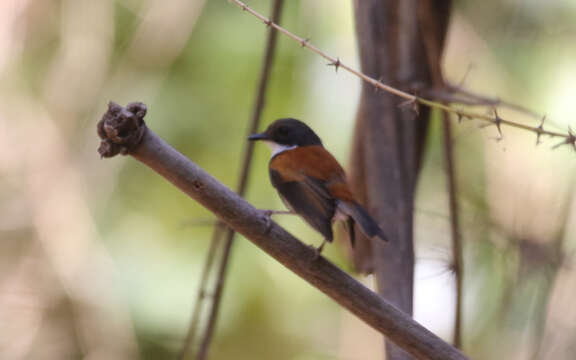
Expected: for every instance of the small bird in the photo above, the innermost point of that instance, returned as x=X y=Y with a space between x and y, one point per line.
x=311 y=182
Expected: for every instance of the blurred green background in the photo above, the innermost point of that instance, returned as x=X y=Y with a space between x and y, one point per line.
x=101 y=259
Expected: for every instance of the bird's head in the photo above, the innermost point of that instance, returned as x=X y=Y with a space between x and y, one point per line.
x=285 y=134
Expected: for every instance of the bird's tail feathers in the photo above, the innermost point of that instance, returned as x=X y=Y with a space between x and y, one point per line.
x=365 y=222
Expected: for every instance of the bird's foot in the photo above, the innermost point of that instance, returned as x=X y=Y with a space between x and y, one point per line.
x=318 y=250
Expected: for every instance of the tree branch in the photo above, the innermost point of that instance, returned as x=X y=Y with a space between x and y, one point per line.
x=122 y=130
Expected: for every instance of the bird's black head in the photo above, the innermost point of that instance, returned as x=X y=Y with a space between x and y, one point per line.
x=288 y=132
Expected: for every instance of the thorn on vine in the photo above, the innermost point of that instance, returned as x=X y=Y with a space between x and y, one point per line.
x=497 y=122
x=540 y=130
x=336 y=64
x=304 y=42
x=570 y=140
x=376 y=88
x=268 y=23
x=412 y=103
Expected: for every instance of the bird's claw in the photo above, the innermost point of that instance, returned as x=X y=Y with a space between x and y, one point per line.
x=317 y=251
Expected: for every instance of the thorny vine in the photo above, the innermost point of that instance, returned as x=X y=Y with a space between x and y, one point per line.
x=414 y=101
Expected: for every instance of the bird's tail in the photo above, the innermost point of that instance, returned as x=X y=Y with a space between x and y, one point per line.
x=367 y=225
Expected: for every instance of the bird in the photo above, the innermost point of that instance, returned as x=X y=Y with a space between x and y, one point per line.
x=311 y=182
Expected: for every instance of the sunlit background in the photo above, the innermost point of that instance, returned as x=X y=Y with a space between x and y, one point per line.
x=101 y=259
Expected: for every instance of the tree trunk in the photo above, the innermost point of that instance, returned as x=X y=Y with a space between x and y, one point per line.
x=400 y=42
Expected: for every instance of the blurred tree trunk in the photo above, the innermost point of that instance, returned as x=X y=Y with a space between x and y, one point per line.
x=400 y=42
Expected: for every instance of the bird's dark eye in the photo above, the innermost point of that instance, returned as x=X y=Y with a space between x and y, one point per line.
x=283 y=130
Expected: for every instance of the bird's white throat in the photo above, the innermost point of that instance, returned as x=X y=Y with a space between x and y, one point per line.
x=278 y=148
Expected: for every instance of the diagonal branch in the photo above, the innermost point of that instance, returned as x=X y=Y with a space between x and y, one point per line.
x=122 y=130
x=567 y=137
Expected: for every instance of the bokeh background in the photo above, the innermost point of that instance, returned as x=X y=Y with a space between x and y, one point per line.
x=101 y=259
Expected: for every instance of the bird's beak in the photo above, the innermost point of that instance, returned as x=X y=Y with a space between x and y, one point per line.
x=261 y=136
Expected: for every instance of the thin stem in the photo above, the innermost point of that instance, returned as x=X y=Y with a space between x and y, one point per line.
x=202 y=293
x=337 y=63
x=456 y=235
x=214 y=311
x=259 y=103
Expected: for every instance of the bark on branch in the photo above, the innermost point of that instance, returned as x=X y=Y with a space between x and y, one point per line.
x=123 y=130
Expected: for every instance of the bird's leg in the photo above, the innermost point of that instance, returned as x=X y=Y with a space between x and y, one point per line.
x=319 y=249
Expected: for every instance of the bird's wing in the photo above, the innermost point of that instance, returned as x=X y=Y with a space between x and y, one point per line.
x=310 y=199
x=311 y=181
